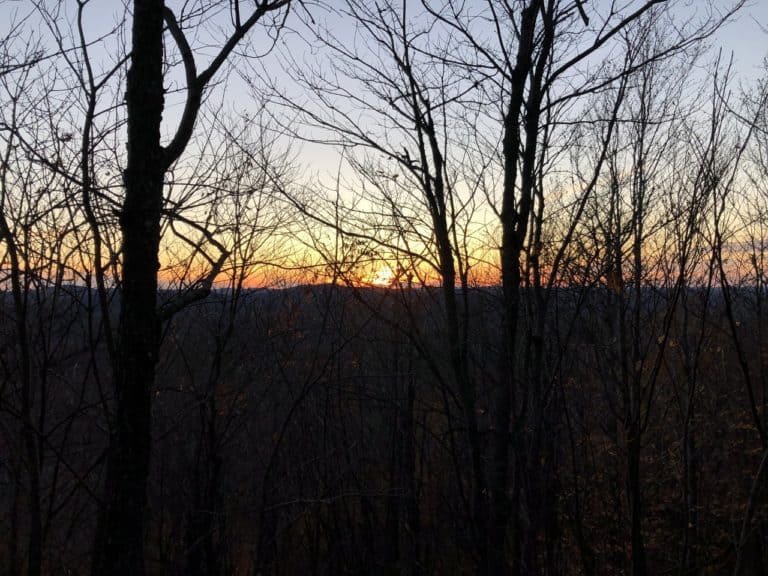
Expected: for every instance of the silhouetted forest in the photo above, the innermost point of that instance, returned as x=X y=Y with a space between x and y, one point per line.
x=414 y=287
x=313 y=430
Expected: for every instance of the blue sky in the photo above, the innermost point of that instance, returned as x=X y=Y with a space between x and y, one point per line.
x=747 y=37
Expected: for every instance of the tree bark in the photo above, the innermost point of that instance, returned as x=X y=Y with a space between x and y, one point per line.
x=514 y=220
x=119 y=546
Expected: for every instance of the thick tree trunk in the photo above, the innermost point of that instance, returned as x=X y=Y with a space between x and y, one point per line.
x=119 y=546
x=515 y=213
x=500 y=506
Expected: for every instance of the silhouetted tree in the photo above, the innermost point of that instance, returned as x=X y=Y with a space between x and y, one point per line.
x=120 y=534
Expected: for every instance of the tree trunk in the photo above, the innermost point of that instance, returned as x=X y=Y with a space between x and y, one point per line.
x=635 y=504
x=411 y=556
x=515 y=212
x=119 y=546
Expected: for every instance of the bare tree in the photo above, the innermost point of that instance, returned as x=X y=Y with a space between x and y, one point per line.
x=397 y=108
x=532 y=87
x=119 y=545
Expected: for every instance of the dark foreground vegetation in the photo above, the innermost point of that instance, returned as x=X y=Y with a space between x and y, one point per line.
x=315 y=430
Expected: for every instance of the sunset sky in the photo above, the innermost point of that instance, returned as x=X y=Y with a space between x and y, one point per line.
x=746 y=37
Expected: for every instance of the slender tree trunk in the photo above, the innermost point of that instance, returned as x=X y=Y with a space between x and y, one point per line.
x=391 y=560
x=13 y=539
x=119 y=546
x=500 y=506
x=635 y=503
x=203 y=557
x=411 y=556
x=35 y=546
x=690 y=562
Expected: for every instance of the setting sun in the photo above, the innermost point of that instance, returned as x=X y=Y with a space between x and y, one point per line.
x=383 y=277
